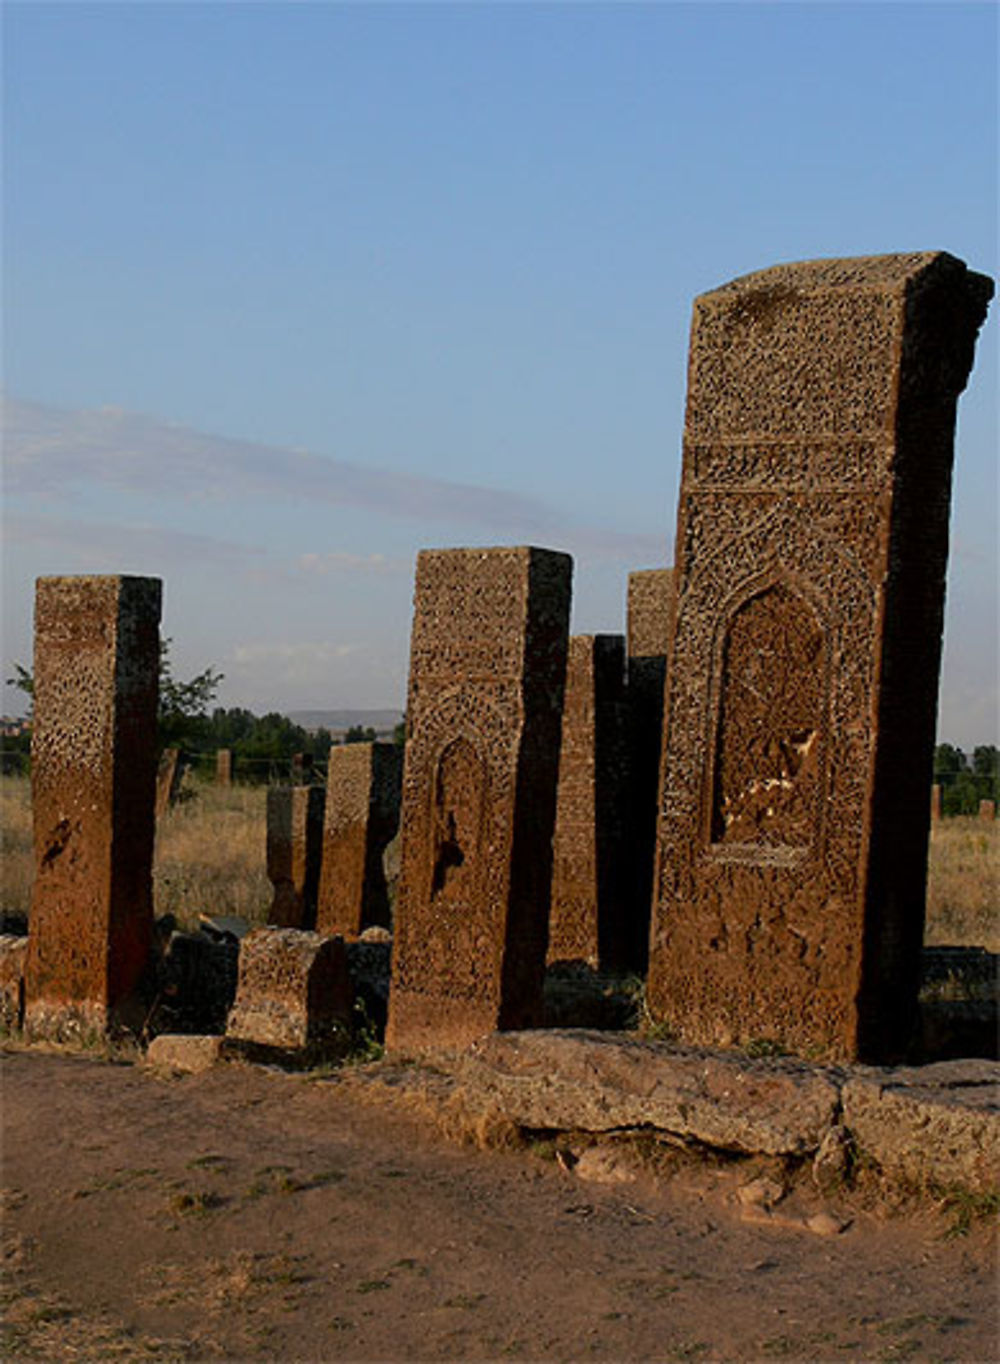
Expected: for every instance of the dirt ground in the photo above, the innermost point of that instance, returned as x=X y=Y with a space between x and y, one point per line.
x=248 y=1214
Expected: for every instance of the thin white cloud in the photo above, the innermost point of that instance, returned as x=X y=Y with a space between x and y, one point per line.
x=340 y=561
x=50 y=453
x=100 y=544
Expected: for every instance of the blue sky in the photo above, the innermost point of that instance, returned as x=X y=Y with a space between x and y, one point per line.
x=294 y=290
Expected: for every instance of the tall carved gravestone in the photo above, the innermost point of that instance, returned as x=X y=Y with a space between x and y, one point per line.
x=589 y=916
x=363 y=786
x=487 y=671
x=802 y=687
x=649 y=612
x=93 y=788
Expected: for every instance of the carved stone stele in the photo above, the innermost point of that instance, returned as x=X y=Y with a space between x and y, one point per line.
x=487 y=671
x=801 y=695
x=93 y=777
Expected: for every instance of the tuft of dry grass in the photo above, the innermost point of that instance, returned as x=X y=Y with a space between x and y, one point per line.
x=963 y=884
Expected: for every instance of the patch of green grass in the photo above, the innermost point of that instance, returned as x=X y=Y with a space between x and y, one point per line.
x=465 y=1300
x=195 y=1204
x=372 y=1285
x=208 y=1162
x=965 y=1209
x=759 y=1047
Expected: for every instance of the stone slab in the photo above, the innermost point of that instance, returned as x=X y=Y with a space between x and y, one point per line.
x=191 y=1054
x=294 y=989
x=936 y=1124
x=597 y=1082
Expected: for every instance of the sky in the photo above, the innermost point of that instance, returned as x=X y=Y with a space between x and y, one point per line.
x=292 y=291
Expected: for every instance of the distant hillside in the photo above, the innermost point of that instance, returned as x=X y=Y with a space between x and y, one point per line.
x=334 y=720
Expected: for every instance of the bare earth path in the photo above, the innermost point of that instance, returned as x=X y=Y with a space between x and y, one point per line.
x=250 y=1215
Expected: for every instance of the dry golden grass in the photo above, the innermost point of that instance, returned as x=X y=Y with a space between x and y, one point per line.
x=210 y=852
x=211 y=855
x=963 y=884
x=210 y=858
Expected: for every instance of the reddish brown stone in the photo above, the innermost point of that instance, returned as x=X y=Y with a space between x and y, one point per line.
x=487 y=671
x=363 y=788
x=224 y=767
x=650 y=609
x=802 y=686
x=294 y=989
x=935 y=802
x=988 y=810
x=93 y=777
x=588 y=920
x=294 y=849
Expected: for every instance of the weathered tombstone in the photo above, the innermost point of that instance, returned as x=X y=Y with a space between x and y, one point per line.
x=363 y=787
x=169 y=776
x=589 y=920
x=224 y=767
x=293 y=991
x=650 y=604
x=988 y=810
x=294 y=849
x=93 y=778
x=302 y=769
x=487 y=671
x=802 y=687
x=935 y=802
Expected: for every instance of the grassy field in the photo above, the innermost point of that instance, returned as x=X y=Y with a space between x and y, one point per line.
x=210 y=859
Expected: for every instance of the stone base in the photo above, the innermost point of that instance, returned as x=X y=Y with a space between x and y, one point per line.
x=294 y=989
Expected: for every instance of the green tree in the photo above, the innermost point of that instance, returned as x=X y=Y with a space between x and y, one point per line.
x=182 y=710
x=357 y=735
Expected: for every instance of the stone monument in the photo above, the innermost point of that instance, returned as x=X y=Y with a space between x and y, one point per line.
x=811 y=547
x=487 y=671
x=97 y=654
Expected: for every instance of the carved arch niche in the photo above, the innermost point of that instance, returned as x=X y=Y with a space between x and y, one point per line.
x=457 y=815
x=766 y=777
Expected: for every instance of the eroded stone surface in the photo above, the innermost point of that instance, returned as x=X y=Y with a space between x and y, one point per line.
x=600 y=1081
x=93 y=779
x=800 y=706
x=363 y=789
x=938 y=1123
x=487 y=671
x=224 y=767
x=293 y=989
x=589 y=920
x=294 y=852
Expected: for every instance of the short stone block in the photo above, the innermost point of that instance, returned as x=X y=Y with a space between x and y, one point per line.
x=188 y=1053
x=294 y=990
x=937 y=1124
x=294 y=851
x=363 y=789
